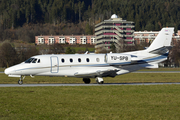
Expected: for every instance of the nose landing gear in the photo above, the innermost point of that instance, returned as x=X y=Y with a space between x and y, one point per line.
x=20 y=81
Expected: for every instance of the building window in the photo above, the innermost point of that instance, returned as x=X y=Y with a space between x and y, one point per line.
x=62 y=40
x=41 y=40
x=72 y=40
x=83 y=40
x=51 y=40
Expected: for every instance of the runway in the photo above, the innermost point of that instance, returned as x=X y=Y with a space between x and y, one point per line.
x=156 y=72
x=148 y=72
x=105 y=84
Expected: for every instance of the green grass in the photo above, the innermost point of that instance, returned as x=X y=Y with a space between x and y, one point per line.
x=150 y=102
x=83 y=49
x=91 y=102
x=162 y=69
x=2 y=69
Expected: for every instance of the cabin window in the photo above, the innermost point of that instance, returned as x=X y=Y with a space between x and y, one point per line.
x=87 y=59
x=71 y=60
x=79 y=59
x=39 y=61
x=97 y=59
x=62 y=60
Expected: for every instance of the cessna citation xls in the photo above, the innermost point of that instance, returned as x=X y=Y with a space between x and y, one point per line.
x=96 y=66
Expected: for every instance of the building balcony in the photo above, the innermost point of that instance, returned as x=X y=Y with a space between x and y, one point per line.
x=112 y=26
x=112 y=22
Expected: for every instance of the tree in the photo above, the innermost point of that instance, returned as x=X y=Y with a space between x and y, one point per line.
x=149 y=26
x=113 y=48
x=69 y=50
x=8 y=56
x=56 y=49
x=88 y=29
x=174 y=56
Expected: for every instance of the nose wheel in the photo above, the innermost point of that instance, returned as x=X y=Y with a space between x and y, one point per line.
x=20 y=81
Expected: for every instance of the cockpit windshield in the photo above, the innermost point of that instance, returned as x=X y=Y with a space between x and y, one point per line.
x=32 y=60
x=29 y=60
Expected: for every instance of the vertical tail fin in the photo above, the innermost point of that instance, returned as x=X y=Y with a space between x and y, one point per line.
x=162 y=41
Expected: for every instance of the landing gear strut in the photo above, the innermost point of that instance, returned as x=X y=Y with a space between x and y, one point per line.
x=86 y=80
x=20 y=81
x=99 y=80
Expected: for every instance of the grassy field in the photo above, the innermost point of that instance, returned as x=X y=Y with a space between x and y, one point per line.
x=83 y=49
x=150 y=102
x=156 y=102
x=162 y=69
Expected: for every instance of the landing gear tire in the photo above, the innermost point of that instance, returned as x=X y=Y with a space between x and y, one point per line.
x=86 y=80
x=20 y=82
x=99 y=80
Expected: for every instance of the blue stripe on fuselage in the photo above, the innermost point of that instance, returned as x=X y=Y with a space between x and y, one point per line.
x=153 y=59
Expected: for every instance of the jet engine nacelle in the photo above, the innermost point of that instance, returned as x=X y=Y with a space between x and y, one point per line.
x=117 y=58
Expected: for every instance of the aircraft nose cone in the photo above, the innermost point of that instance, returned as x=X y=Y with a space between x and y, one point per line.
x=7 y=71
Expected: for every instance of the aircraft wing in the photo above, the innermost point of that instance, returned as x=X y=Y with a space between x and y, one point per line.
x=99 y=73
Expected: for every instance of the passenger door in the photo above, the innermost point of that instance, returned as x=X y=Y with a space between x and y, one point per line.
x=54 y=64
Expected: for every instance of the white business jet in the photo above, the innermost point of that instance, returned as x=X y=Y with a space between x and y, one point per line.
x=96 y=66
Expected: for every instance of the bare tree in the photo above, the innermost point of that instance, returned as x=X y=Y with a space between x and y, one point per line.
x=174 y=55
x=56 y=49
x=8 y=55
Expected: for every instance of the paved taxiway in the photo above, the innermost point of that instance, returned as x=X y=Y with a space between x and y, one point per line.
x=105 y=84
x=150 y=72
x=156 y=72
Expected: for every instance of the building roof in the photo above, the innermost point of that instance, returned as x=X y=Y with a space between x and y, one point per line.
x=114 y=16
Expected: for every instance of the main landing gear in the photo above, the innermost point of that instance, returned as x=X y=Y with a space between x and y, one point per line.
x=20 y=81
x=86 y=80
x=99 y=80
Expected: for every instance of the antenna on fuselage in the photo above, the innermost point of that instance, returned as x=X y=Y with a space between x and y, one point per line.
x=86 y=52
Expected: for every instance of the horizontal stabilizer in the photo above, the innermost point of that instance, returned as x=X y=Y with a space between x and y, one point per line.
x=149 y=65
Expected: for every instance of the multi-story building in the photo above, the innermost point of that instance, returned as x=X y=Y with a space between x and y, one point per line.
x=115 y=30
x=70 y=39
x=145 y=36
x=149 y=36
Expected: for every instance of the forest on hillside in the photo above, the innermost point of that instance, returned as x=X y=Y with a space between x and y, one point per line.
x=23 y=19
